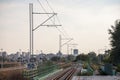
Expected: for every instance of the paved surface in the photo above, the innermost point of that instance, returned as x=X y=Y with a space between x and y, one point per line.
x=96 y=78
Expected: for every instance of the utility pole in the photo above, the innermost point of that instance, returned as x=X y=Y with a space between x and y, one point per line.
x=68 y=49
x=59 y=43
x=32 y=29
x=71 y=51
x=62 y=44
x=68 y=45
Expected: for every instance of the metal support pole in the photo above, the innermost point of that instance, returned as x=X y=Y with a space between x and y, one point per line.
x=59 y=43
x=71 y=51
x=32 y=31
x=68 y=45
x=31 y=27
x=68 y=49
x=30 y=13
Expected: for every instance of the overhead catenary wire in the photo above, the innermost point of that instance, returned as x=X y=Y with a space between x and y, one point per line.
x=56 y=17
x=52 y=10
x=49 y=6
x=61 y=28
x=63 y=31
x=41 y=6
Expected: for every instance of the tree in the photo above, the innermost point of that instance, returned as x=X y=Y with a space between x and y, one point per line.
x=92 y=54
x=115 y=43
x=92 y=57
x=70 y=57
x=55 y=58
x=83 y=57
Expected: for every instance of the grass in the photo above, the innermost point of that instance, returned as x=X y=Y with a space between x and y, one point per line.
x=12 y=75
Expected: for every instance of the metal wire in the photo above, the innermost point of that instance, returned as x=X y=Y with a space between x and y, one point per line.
x=65 y=33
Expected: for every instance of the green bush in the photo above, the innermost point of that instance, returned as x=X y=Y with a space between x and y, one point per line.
x=102 y=72
x=86 y=74
x=118 y=68
x=79 y=73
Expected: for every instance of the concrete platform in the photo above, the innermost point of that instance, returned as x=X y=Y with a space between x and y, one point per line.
x=96 y=78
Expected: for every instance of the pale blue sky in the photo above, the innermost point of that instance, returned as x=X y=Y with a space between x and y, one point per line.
x=87 y=21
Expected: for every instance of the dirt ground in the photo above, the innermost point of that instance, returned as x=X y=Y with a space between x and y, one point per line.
x=12 y=75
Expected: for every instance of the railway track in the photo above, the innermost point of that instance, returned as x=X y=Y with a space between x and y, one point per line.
x=67 y=75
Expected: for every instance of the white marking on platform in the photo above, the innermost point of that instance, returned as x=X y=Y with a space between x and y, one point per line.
x=96 y=78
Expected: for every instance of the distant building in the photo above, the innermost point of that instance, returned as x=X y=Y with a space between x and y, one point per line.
x=75 y=52
x=27 y=55
x=50 y=55
x=17 y=54
x=41 y=57
x=3 y=54
x=0 y=53
x=11 y=57
x=23 y=54
x=59 y=54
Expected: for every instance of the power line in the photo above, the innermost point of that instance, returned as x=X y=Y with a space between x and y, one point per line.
x=53 y=11
x=50 y=19
x=57 y=18
x=60 y=29
x=42 y=6
x=50 y=6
